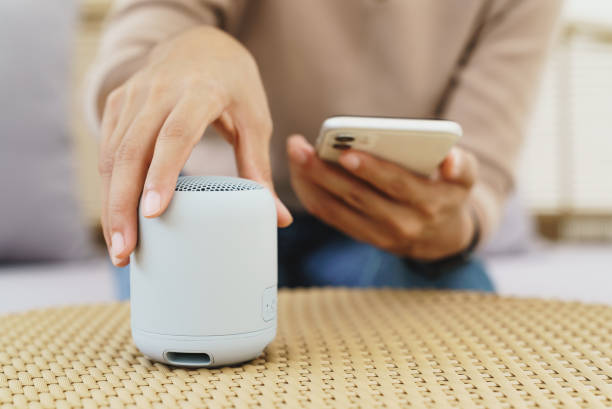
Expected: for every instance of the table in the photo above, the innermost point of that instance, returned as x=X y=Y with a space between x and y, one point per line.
x=335 y=348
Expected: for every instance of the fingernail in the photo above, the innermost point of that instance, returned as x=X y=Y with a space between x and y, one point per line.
x=456 y=164
x=151 y=204
x=308 y=149
x=285 y=210
x=349 y=161
x=115 y=260
x=118 y=244
x=282 y=211
x=302 y=155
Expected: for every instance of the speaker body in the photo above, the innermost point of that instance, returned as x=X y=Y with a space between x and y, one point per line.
x=204 y=274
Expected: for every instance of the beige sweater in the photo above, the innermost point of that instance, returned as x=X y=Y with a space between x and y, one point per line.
x=472 y=61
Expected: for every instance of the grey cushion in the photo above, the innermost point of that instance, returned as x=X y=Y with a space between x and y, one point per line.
x=515 y=233
x=39 y=214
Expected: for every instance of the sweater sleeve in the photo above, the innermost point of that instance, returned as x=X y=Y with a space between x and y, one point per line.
x=133 y=28
x=491 y=93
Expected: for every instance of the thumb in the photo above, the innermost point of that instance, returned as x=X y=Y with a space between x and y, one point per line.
x=460 y=167
x=251 y=149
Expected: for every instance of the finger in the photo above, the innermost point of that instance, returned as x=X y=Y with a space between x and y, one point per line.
x=299 y=150
x=391 y=179
x=110 y=117
x=131 y=163
x=132 y=98
x=460 y=167
x=120 y=262
x=104 y=186
x=251 y=147
x=122 y=105
x=181 y=130
x=334 y=212
x=357 y=194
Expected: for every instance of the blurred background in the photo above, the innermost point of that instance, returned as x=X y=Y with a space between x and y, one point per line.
x=555 y=241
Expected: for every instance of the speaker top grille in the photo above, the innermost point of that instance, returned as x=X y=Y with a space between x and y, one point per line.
x=214 y=184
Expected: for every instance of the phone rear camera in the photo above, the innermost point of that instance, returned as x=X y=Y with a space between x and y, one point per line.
x=341 y=146
x=344 y=138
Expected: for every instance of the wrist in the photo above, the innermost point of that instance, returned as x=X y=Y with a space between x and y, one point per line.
x=455 y=260
x=475 y=231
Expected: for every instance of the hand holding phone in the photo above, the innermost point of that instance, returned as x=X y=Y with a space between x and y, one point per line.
x=376 y=193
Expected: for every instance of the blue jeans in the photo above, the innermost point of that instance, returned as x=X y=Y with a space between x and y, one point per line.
x=311 y=253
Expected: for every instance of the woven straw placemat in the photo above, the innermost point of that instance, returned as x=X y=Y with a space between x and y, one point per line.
x=335 y=348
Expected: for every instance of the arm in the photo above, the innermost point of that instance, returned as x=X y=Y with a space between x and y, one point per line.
x=430 y=219
x=492 y=92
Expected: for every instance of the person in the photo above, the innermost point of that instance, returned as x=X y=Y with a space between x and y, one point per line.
x=169 y=69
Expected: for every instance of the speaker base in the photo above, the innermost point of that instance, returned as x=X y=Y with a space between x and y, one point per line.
x=204 y=351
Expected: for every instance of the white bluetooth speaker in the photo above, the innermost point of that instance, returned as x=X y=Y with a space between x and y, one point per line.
x=204 y=274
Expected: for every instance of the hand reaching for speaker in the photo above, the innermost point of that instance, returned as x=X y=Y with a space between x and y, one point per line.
x=152 y=122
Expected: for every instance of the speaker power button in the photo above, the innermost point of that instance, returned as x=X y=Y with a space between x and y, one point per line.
x=269 y=304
